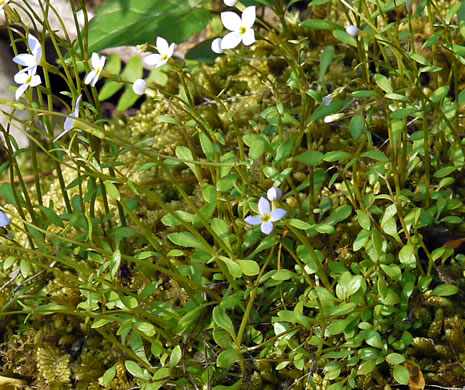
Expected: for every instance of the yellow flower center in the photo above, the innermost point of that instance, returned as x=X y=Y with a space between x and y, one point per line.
x=242 y=30
x=29 y=79
x=266 y=218
x=164 y=57
x=2 y=1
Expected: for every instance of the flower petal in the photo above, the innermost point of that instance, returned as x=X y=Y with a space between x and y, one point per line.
x=21 y=77
x=161 y=63
x=152 y=59
x=78 y=103
x=20 y=90
x=248 y=17
x=352 y=30
x=95 y=60
x=162 y=45
x=64 y=132
x=171 y=50
x=89 y=77
x=4 y=220
x=94 y=81
x=216 y=46
x=25 y=59
x=35 y=81
x=139 y=86
x=277 y=214
x=230 y=3
x=263 y=206
x=274 y=193
x=231 y=21
x=267 y=227
x=249 y=37
x=231 y=40
x=253 y=220
x=33 y=42
x=69 y=124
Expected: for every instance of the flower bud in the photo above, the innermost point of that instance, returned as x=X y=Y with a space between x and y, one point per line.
x=274 y=193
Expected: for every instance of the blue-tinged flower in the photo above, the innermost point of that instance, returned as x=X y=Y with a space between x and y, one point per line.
x=30 y=61
x=327 y=100
x=139 y=86
x=352 y=30
x=266 y=217
x=216 y=46
x=165 y=52
x=240 y=27
x=69 y=122
x=26 y=79
x=97 y=66
x=4 y=220
x=274 y=193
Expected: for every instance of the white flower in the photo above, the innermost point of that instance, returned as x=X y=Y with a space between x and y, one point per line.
x=267 y=217
x=97 y=66
x=30 y=61
x=28 y=78
x=3 y=3
x=165 y=53
x=4 y=220
x=216 y=46
x=327 y=100
x=139 y=86
x=230 y=3
x=274 y=193
x=241 y=28
x=352 y=30
x=69 y=122
x=332 y=118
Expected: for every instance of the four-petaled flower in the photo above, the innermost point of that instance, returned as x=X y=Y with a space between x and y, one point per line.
x=241 y=28
x=3 y=3
x=97 y=66
x=266 y=217
x=26 y=79
x=69 y=122
x=4 y=220
x=139 y=86
x=30 y=61
x=165 y=53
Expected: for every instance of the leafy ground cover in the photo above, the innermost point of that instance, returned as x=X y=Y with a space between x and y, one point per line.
x=283 y=211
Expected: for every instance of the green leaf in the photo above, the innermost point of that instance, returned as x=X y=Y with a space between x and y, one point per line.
x=337 y=327
x=185 y=239
x=227 y=358
x=374 y=339
x=383 y=82
x=366 y=367
x=376 y=155
x=439 y=94
x=345 y=38
x=135 y=370
x=175 y=357
x=312 y=158
x=202 y=52
x=249 y=267
x=401 y=374
x=325 y=60
x=144 y=327
x=395 y=358
x=109 y=375
x=445 y=290
x=446 y=171
x=340 y=214
x=283 y=274
x=318 y=24
x=363 y=220
x=336 y=155
x=357 y=126
x=112 y=190
x=223 y=321
x=133 y=22
x=407 y=256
